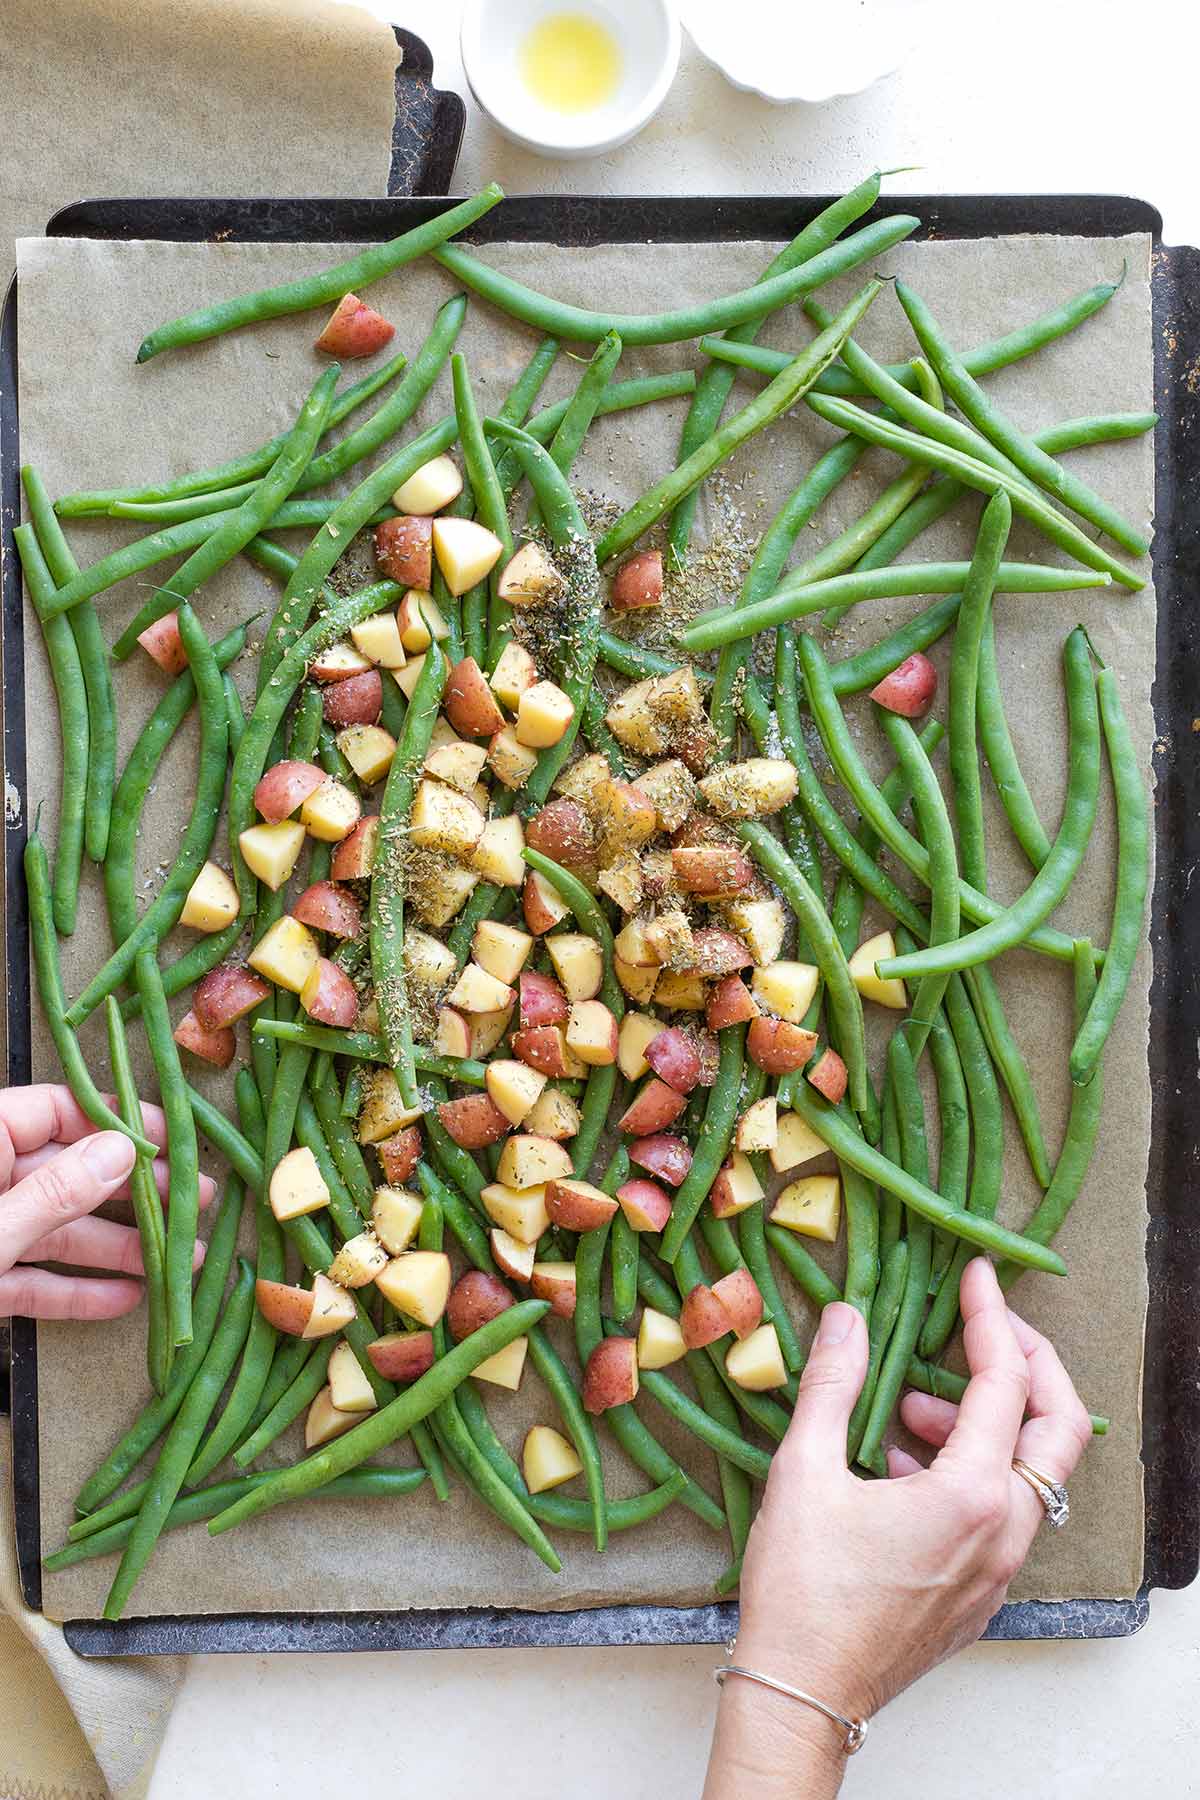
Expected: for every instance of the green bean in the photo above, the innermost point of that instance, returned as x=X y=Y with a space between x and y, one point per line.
x=139 y=772
x=235 y=713
x=154 y=1418
x=289 y=1359
x=520 y=398
x=387 y=888
x=845 y=914
x=492 y=511
x=843 y=1139
x=48 y=975
x=343 y=1209
x=255 y=1368
x=595 y=730
x=852 y=544
x=578 y=325
x=938 y=834
x=182 y=1154
x=987 y=1126
x=623 y=1252
x=1079 y=1142
x=722 y=1243
x=562 y=1511
x=929 y=1378
x=296 y=1397
x=580 y=1429
x=343 y=1145
x=777 y=398
x=581 y=409
x=637 y=1441
x=241 y=468
x=844 y=755
x=860 y=862
x=390 y=1422
x=726 y=1443
x=94 y=662
x=465 y=1455
x=348 y=516
x=852 y=674
x=1014 y=924
x=147 y=1208
x=637 y=660
x=163 y=912
x=715 y=384
x=751 y=1229
x=719 y=1118
x=845 y=999
x=893 y=1285
x=954 y=1151
x=171 y=1467
x=998 y=429
x=998 y=353
x=253 y=515
x=774 y=548
x=1001 y=756
x=1132 y=883
x=902 y=1344
x=62 y=655
x=456 y=1164
x=581 y=617
x=206 y=1501
x=225 y=1137
x=964 y=677
x=317 y=290
x=272 y=704
x=977 y=473
x=797 y=601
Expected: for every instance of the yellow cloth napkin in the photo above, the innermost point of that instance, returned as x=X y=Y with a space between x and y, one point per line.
x=72 y=1728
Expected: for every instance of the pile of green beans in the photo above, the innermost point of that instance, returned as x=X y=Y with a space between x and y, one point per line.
x=225 y=1384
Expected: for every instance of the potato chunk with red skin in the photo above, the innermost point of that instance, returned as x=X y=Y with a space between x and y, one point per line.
x=738 y=1293
x=577 y=1205
x=646 y=1206
x=611 y=1375
x=711 y=870
x=638 y=582
x=909 y=689
x=327 y=907
x=226 y=994
x=544 y=1047
x=469 y=703
x=717 y=952
x=356 y=701
x=355 y=855
x=730 y=1003
x=541 y=1000
x=561 y=831
x=702 y=1318
x=162 y=643
x=354 y=329
x=663 y=1155
x=284 y=788
x=474 y=1121
x=653 y=1108
x=399 y=1155
x=778 y=1046
x=404 y=550
x=675 y=1059
x=829 y=1076
x=329 y=996
x=475 y=1299
x=402 y=1355
x=217 y=1047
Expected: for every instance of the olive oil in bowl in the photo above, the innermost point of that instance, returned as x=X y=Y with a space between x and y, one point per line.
x=571 y=62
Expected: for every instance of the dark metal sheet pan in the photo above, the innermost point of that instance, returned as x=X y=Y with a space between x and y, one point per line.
x=1171 y=1395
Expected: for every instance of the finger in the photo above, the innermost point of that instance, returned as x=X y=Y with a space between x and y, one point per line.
x=1058 y=1429
x=49 y=1113
x=929 y=1419
x=829 y=1386
x=38 y=1294
x=96 y=1244
x=900 y=1464
x=70 y=1185
x=30 y=1160
x=990 y=1413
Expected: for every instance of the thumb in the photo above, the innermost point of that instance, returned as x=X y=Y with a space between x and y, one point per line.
x=830 y=1385
x=71 y=1184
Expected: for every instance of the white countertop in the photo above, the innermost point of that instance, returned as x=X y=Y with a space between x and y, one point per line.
x=1038 y=95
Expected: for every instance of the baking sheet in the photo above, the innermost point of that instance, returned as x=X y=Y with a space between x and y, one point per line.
x=216 y=97
x=456 y=1556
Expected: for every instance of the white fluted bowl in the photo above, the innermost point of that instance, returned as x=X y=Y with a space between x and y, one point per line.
x=813 y=50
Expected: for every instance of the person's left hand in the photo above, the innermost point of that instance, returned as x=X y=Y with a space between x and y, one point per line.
x=55 y=1170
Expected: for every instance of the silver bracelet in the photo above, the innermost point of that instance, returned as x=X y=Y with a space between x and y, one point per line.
x=855 y=1729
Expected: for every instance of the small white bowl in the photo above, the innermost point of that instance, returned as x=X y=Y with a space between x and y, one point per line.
x=493 y=33
x=785 y=52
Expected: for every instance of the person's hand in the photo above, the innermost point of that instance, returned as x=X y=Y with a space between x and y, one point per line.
x=852 y=1589
x=55 y=1170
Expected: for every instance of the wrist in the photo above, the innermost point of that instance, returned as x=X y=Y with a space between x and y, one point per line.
x=773 y=1746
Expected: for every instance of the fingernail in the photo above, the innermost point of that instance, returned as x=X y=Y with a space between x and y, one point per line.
x=837 y=1322
x=109 y=1155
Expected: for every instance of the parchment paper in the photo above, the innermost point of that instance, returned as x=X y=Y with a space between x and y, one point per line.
x=114 y=422
x=215 y=97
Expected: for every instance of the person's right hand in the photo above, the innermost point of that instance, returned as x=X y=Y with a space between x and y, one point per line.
x=55 y=1170
x=852 y=1589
